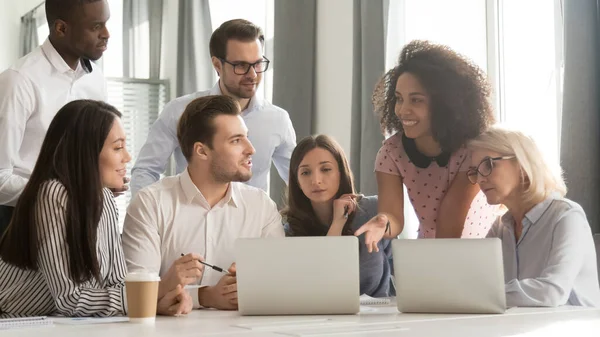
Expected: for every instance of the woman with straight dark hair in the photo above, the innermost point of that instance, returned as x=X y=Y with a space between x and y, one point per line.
x=62 y=254
x=322 y=201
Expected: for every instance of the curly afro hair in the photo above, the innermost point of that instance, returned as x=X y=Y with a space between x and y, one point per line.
x=459 y=93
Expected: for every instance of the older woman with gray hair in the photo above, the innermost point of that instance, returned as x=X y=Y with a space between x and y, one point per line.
x=547 y=244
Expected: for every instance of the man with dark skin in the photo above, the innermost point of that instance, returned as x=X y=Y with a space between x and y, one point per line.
x=36 y=86
x=78 y=29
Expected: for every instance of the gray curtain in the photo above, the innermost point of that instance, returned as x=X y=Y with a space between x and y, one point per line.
x=28 y=39
x=370 y=27
x=194 y=67
x=136 y=13
x=293 y=87
x=580 y=138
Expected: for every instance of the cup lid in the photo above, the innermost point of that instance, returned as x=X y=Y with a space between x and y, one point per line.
x=142 y=276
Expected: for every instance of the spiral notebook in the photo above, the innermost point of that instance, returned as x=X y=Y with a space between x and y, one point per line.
x=368 y=300
x=24 y=322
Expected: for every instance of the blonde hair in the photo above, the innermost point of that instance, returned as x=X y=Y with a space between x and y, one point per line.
x=539 y=179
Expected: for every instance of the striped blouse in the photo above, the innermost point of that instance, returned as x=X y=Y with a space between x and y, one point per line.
x=49 y=290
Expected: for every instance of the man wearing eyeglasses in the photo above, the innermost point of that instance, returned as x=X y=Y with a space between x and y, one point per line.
x=236 y=49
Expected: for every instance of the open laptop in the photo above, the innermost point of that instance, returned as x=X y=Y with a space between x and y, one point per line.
x=449 y=275
x=298 y=276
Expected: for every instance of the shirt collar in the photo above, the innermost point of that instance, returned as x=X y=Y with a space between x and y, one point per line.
x=534 y=214
x=191 y=191
x=256 y=102
x=232 y=197
x=420 y=160
x=59 y=63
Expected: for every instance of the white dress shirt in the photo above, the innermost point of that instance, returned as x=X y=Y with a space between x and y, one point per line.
x=554 y=261
x=172 y=217
x=269 y=129
x=31 y=93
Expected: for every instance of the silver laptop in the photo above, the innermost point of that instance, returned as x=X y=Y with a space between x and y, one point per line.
x=449 y=275
x=298 y=276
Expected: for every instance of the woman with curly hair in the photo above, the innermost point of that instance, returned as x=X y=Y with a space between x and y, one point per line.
x=433 y=102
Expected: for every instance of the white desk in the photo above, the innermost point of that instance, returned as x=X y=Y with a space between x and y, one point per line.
x=386 y=321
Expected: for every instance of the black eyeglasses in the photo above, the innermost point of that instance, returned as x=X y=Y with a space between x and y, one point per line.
x=242 y=68
x=484 y=168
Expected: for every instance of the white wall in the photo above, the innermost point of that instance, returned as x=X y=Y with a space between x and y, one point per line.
x=7 y=40
x=334 y=70
x=10 y=24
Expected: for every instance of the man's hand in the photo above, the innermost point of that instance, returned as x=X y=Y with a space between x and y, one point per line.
x=175 y=302
x=121 y=190
x=185 y=270
x=223 y=295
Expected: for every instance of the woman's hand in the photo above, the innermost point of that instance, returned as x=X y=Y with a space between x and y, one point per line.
x=374 y=231
x=345 y=205
x=176 y=302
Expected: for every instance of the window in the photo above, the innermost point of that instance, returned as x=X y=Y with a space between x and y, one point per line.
x=530 y=76
x=112 y=60
x=43 y=31
x=458 y=24
x=518 y=43
x=259 y=12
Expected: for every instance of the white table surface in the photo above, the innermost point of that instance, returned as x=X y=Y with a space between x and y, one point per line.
x=377 y=321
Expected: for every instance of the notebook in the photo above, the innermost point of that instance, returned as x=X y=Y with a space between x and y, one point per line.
x=24 y=322
x=368 y=300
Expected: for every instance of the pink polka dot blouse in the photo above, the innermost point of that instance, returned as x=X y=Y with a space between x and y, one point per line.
x=427 y=180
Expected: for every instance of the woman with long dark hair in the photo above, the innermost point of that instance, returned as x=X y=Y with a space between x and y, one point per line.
x=322 y=201
x=62 y=254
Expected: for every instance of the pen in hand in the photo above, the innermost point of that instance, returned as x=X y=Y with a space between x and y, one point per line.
x=219 y=269
x=358 y=197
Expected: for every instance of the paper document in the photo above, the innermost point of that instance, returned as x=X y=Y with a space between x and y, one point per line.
x=368 y=300
x=24 y=322
x=88 y=320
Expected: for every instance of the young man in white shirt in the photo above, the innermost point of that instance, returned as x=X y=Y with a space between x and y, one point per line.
x=34 y=88
x=202 y=211
x=236 y=48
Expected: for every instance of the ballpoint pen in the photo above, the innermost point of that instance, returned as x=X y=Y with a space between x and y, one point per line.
x=219 y=269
